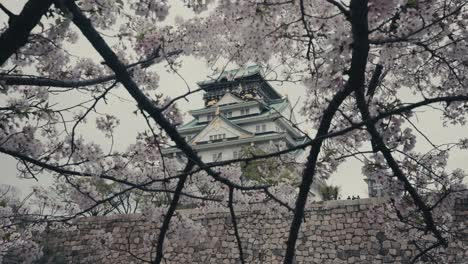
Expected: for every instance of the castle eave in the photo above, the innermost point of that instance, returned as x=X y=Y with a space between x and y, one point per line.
x=239 y=141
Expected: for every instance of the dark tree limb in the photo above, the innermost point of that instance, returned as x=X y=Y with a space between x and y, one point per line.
x=144 y=103
x=342 y=8
x=21 y=26
x=361 y=41
x=170 y=212
x=392 y=163
x=7 y=79
x=374 y=82
x=360 y=51
x=424 y=252
x=309 y=172
x=8 y=12
x=234 y=224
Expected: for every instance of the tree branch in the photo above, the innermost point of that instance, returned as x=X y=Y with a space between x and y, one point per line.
x=8 y=12
x=170 y=212
x=48 y=82
x=343 y=9
x=17 y=33
x=234 y=224
x=392 y=163
x=122 y=75
x=357 y=71
x=376 y=137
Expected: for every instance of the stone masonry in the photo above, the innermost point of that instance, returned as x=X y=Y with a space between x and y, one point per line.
x=333 y=232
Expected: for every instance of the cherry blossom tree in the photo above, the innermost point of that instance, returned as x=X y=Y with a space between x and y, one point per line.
x=368 y=68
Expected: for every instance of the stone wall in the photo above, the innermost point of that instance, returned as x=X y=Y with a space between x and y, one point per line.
x=333 y=232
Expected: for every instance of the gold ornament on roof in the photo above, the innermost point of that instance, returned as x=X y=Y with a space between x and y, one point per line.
x=211 y=102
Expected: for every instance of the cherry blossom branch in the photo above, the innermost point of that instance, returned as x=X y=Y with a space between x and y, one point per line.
x=307 y=29
x=357 y=71
x=29 y=80
x=234 y=224
x=406 y=38
x=361 y=41
x=58 y=169
x=170 y=212
x=343 y=9
x=111 y=59
x=81 y=118
x=424 y=251
x=48 y=82
x=274 y=198
x=21 y=26
x=396 y=111
x=183 y=96
x=309 y=171
x=380 y=146
x=99 y=202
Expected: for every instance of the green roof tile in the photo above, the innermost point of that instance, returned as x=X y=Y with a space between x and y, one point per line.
x=275 y=107
x=236 y=74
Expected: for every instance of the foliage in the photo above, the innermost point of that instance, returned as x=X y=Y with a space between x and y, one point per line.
x=16 y=235
x=269 y=171
x=50 y=255
x=329 y=192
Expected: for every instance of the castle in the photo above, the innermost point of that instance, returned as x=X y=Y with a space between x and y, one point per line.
x=241 y=109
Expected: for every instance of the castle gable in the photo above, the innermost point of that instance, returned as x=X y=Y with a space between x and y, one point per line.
x=220 y=129
x=229 y=98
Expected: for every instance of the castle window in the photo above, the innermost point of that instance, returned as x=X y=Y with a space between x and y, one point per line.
x=210 y=117
x=235 y=155
x=228 y=114
x=260 y=128
x=245 y=111
x=217 y=137
x=217 y=156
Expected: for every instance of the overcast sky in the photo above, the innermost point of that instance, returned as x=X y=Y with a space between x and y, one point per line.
x=349 y=177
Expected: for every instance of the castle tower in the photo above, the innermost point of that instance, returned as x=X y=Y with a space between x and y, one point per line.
x=241 y=109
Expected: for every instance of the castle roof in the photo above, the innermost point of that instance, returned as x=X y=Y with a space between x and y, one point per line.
x=246 y=78
x=232 y=75
x=221 y=121
x=274 y=108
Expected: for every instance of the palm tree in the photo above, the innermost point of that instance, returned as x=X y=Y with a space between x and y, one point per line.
x=329 y=192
